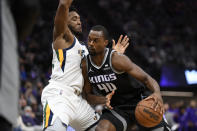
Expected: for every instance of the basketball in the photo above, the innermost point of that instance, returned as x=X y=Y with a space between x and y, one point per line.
x=145 y=115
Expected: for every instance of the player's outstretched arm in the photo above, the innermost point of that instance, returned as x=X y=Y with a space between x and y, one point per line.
x=61 y=30
x=121 y=63
x=87 y=90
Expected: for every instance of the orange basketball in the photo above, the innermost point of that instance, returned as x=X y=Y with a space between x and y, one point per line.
x=145 y=115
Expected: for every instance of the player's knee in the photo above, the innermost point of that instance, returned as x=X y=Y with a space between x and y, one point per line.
x=105 y=125
x=98 y=128
x=101 y=128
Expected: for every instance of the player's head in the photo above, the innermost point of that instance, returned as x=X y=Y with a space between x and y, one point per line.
x=74 y=21
x=97 y=39
x=193 y=103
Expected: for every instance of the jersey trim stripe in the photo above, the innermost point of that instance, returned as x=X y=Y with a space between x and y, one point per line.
x=120 y=118
x=64 y=53
x=48 y=116
x=64 y=61
x=57 y=53
x=45 y=114
x=110 y=62
x=73 y=44
x=105 y=57
x=61 y=54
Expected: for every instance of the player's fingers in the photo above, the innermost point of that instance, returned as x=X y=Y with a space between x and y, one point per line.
x=124 y=39
x=108 y=105
x=127 y=40
x=150 y=97
x=155 y=103
x=157 y=106
x=161 y=107
x=120 y=39
x=113 y=43
x=127 y=44
x=162 y=110
x=112 y=93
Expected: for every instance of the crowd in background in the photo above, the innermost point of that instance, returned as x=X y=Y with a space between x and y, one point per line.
x=161 y=32
x=180 y=116
x=164 y=30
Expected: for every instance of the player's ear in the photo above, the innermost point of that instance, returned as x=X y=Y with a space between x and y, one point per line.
x=106 y=42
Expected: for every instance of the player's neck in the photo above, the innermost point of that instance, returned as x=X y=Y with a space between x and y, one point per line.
x=98 y=59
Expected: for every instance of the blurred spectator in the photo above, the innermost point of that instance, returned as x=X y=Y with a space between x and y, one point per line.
x=28 y=117
x=181 y=118
x=191 y=117
x=169 y=115
x=22 y=102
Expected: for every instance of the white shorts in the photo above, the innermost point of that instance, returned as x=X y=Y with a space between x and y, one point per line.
x=70 y=108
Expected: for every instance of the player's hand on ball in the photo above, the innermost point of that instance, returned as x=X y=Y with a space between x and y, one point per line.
x=158 y=102
x=121 y=45
x=108 y=101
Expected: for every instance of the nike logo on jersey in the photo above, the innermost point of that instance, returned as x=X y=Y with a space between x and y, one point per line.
x=103 y=78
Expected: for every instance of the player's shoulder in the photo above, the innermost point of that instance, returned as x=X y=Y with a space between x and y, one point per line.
x=82 y=43
x=119 y=59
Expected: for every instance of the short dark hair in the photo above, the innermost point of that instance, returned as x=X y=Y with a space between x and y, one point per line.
x=72 y=8
x=103 y=29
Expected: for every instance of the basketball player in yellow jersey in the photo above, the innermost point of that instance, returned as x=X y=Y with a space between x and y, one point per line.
x=62 y=102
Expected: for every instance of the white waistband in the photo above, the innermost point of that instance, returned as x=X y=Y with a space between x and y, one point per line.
x=62 y=87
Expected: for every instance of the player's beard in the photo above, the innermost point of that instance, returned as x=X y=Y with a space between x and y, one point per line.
x=75 y=33
x=92 y=53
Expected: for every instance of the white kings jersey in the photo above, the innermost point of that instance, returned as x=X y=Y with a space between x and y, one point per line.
x=66 y=65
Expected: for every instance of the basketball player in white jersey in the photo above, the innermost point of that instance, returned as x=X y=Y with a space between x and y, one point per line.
x=61 y=98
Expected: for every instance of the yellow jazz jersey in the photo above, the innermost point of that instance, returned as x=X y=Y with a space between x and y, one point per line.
x=66 y=68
